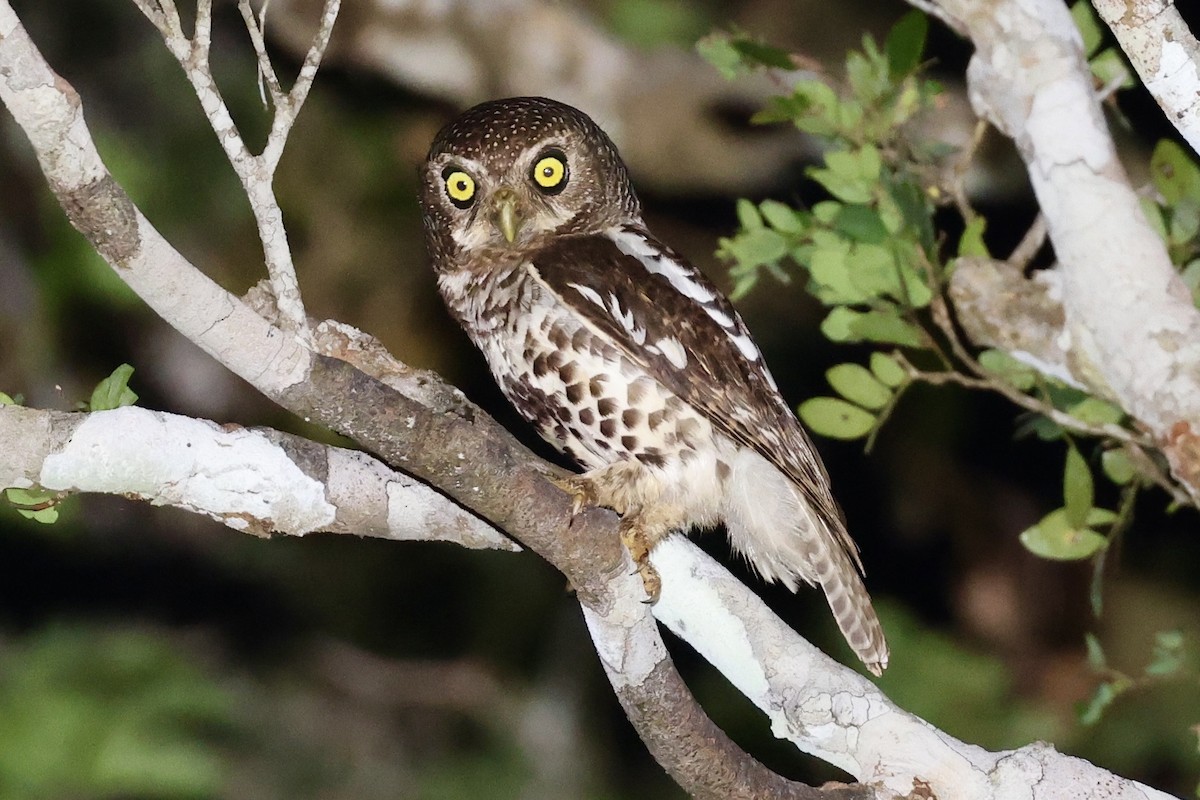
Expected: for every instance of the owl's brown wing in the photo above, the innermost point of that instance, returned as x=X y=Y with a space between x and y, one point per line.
x=662 y=313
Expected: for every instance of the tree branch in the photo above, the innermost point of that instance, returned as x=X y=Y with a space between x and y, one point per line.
x=257 y=481
x=1129 y=322
x=1165 y=54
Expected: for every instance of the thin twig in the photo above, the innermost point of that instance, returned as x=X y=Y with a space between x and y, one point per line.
x=962 y=166
x=266 y=71
x=171 y=14
x=1023 y=400
x=256 y=172
x=202 y=39
x=153 y=13
x=1030 y=243
x=286 y=112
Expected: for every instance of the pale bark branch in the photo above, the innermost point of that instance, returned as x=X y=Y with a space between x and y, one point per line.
x=252 y=480
x=1130 y=331
x=1165 y=54
x=842 y=717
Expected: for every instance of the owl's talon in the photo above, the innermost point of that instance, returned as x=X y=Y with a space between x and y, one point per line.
x=581 y=491
x=633 y=536
x=651 y=582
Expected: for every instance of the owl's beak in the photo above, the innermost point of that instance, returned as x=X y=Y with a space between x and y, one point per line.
x=507 y=213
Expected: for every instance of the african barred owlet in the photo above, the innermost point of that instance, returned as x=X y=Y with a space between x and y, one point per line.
x=624 y=356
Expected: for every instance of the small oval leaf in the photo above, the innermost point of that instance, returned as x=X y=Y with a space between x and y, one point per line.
x=1055 y=539
x=782 y=217
x=888 y=370
x=1117 y=466
x=1077 y=488
x=856 y=383
x=835 y=418
x=1003 y=365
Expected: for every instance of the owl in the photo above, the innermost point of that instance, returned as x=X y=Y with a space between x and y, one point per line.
x=625 y=356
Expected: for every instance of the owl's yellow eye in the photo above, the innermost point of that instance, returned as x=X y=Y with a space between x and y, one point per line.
x=460 y=187
x=550 y=172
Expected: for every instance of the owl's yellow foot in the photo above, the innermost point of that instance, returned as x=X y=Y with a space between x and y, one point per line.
x=637 y=541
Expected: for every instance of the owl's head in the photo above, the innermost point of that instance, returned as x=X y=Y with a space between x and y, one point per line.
x=508 y=173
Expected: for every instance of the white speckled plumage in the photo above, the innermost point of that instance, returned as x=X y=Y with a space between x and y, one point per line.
x=624 y=355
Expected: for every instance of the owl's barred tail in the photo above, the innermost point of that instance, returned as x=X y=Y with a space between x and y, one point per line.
x=771 y=524
x=852 y=610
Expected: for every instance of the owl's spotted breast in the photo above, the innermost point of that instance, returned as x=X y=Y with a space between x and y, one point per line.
x=579 y=389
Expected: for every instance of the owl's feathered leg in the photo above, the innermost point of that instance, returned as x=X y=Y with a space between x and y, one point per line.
x=644 y=522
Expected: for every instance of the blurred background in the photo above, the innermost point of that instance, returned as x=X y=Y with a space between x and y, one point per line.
x=147 y=653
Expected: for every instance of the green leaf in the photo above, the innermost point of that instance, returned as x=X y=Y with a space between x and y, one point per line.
x=717 y=49
x=113 y=391
x=873 y=270
x=835 y=418
x=856 y=383
x=812 y=108
x=847 y=325
x=826 y=211
x=1095 y=653
x=34 y=503
x=915 y=291
x=1056 y=539
x=1174 y=174
x=1168 y=654
x=1117 y=466
x=754 y=247
x=917 y=210
x=1154 y=216
x=782 y=217
x=904 y=44
x=971 y=242
x=1089 y=26
x=759 y=54
x=748 y=216
x=888 y=370
x=1078 y=491
x=1185 y=221
x=1095 y=411
x=5 y=400
x=46 y=516
x=1105 y=694
x=1042 y=427
x=850 y=176
x=1004 y=366
x=861 y=223
x=830 y=270
x=34 y=496
x=1110 y=68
